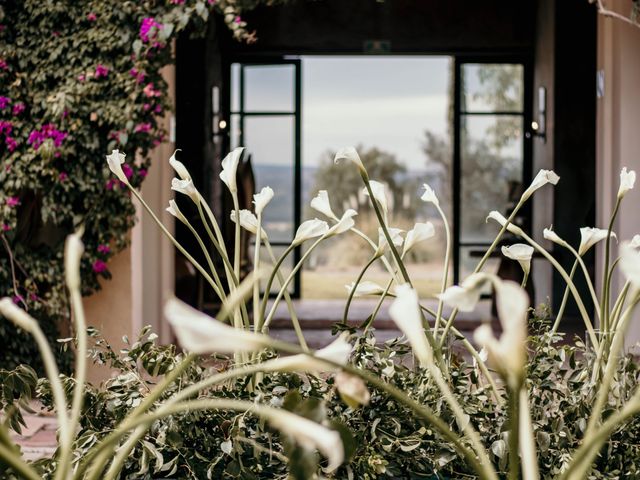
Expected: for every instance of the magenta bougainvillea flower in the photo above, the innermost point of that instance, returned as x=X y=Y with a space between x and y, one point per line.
x=104 y=248
x=48 y=131
x=5 y=127
x=142 y=128
x=99 y=266
x=139 y=75
x=62 y=176
x=3 y=65
x=92 y=17
x=149 y=29
x=18 y=108
x=6 y=227
x=12 y=201
x=4 y=102
x=150 y=91
x=101 y=71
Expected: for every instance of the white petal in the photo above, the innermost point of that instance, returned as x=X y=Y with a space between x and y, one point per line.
x=365 y=288
x=352 y=389
x=630 y=263
x=179 y=167
x=310 y=229
x=248 y=221
x=175 y=211
x=186 y=187
x=541 y=179
x=590 y=236
x=405 y=312
x=520 y=252
x=321 y=204
x=394 y=233
x=201 y=334
x=460 y=298
x=337 y=351
x=345 y=224
x=635 y=242
x=230 y=168
x=350 y=154
x=115 y=161
x=429 y=195
x=549 y=234
x=627 y=181
x=262 y=199
x=379 y=193
x=419 y=233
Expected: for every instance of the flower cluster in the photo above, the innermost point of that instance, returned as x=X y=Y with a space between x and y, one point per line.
x=48 y=131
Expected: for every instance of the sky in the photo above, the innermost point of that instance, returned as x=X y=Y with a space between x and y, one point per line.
x=386 y=102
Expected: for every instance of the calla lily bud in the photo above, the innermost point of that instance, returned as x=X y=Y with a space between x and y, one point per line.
x=429 y=195
x=230 y=169
x=630 y=263
x=352 y=389
x=179 y=167
x=541 y=179
x=365 y=288
x=627 y=181
x=337 y=351
x=520 y=252
x=73 y=250
x=590 y=236
x=419 y=233
x=262 y=199
x=321 y=204
x=249 y=222
x=405 y=312
x=552 y=236
x=115 y=161
x=310 y=229
x=185 y=187
x=202 y=334
x=175 y=211
x=350 y=154
x=378 y=193
x=498 y=217
x=345 y=224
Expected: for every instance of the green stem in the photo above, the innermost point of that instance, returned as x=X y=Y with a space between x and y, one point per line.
x=20 y=466
x=267 y=291
x=514 y=434
x=445 y=275
x=604 y=303
x=355 y=286
x=565 y=298
x=587 y=279
x=256 y=265
x=236 y=247
x=216 y=228
x=369 y=321
x=617 y=307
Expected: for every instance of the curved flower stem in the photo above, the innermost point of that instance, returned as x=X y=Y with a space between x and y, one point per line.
x=617 y=307
x=267 y=291
x=374 y=247
x=20 y=466
x=369 y=321
x=236 y=243
x=182 y=250
x=565 y=298
x=525 y=277
x=216 y=228
x=256 y=265
x=232 y=281
x=445 y=275
x=514 y=433
x=292 y=312
x=604 y=302
x=355 y=286
x=530 y=469
x=587 y=279
x=612 y=360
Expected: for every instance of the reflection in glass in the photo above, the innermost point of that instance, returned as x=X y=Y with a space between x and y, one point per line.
x=492 y=88
x=266 y=261
x=269 y=88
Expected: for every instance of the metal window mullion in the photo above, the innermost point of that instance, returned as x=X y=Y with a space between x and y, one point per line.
x=457 y=169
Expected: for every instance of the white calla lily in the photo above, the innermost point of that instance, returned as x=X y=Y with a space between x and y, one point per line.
x=630 y=263
x=179 y=167
x=337 y=352
x=635 y=241
x=464 y=299
x=365 y=288
x=429 y=195
x=396 y=238
x=175 y=211
x=379 y=194
x=115 y=161
x=201 y=334
x=261 y=199
x=321 y=204
x=310 y=229
x=552 y=236
x=499 y=218
x=310 y=435
x=186 y=187
x=405 y=312
x=589 y=236
x=520 y=252
x=541 y=179
x=230 y=169
x=419 y=233
x=345 y=224
x=350 y=154
x=627 y=181
x=249 y=222
x=352 y=389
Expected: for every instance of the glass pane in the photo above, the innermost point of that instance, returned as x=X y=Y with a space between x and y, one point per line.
x=235 y=87
x=270 y=142
x=492 y=87
x=235 y=131
x=269 y=88
x=267 y=262
x=491 y=156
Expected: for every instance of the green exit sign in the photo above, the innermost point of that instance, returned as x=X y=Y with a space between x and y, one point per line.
x=377 y=47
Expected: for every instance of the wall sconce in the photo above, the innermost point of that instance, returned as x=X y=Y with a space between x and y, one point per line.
x=539 y=126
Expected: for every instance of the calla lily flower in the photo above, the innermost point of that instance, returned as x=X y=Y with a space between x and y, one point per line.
x=321 y=204
x=635 y=242
x=419 y=233
x=310 y=435
x=627 y=181
x=405 y=312
x=590 y=236
x=352 y=389
x=337 y=351
x=310 y=229
x=249 y=222
x=201 y=334
x=378 y=193
x=396 y=238
x=464 y=299
x=345 y=224
x=175 y=211
x=230 y=169
x=549 y=234
x=115 y=161
x=179 y=167
x=365 y=288
x=429 y=195
x=541 y=179
x=186 y=187
x=520 y=252
x=630 y=263
x=73 y=250
x=350 y=154
x=498 y=217
x=262 y=199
